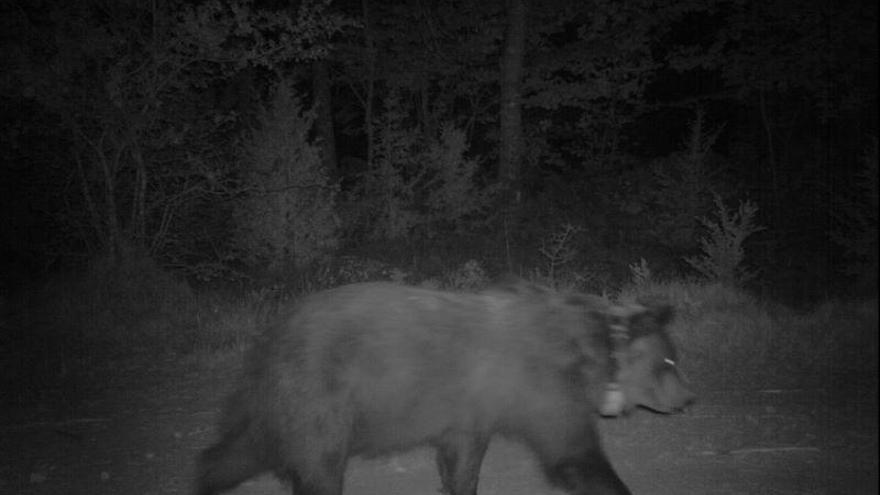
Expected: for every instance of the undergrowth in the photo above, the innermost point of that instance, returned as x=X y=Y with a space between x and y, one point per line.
x=730 y=339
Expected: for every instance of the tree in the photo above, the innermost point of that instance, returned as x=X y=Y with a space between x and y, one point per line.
x=130 y=86
x=801 y=80
x=510 y=115
x=438 y=57
x=799 y=68
x=324 y=114
x=416 y=188
x=286 y=215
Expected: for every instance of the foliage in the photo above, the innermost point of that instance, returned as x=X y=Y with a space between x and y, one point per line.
x=723 y=333
x=240 y=33
x=632 y=210
x=415 y=189
x=593 y=59
x=685 y=182
x=812 y=49
x=145 y=147
x=730 y=339
x=286 y=216
x=723 y=251
x=124 y=123
x=469 y=276
x=341 y=270
x=438 y=57
x=803 y=78
x=589 y=64
x=558 y=250
x=641 y=273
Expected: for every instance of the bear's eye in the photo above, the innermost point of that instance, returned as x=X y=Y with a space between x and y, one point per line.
x=665 y=366
x=635 y=356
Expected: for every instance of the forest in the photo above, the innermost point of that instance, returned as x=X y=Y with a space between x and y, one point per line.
x=156 y=154
x=250 y=141
x=176 y=173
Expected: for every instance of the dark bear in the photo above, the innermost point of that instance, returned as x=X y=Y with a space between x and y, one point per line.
x=644 y=365
x=645 y=371
x=372 y=369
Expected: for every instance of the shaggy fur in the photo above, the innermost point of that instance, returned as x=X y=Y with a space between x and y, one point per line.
x=371 y=369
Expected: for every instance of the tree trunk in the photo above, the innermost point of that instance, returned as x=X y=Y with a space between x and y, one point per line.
x=511 y=138
x=109 y=166
x=428 y=127
x=370 y=47
x=775 y=186
x=324 y=117
x=94 y=217
x=138 y=222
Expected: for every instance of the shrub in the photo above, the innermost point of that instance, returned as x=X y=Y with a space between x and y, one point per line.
x=730 y=339
x=415 y=186
x=640 y=273
x=723 y=252
x=470 y=276
x=342 y=270
x=558 y=250
x=287 y=215
x=682 y=187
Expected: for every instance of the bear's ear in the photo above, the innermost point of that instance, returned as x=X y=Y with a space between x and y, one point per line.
x=658 y=308
x=650 y=320
x=663 y=314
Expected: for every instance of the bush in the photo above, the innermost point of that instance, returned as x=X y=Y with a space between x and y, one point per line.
x=342 y=270
x=856 y=231
x=730 y=339
x=416 y=186
x=470 y=276
x=723 y=252
x=558 y=249
x=287 y=215
x=682 y=187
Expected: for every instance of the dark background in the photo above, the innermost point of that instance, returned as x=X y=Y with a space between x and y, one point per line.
x=175 y=172
x=155 y=129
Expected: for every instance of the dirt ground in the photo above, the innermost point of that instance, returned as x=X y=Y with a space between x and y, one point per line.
x=137 y=429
